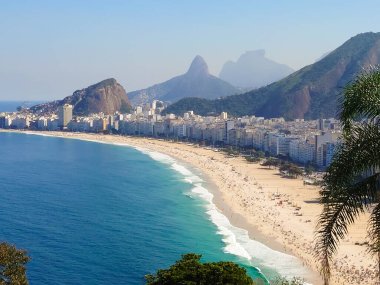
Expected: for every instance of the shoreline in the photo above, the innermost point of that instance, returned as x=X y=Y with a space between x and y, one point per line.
x=249 y=196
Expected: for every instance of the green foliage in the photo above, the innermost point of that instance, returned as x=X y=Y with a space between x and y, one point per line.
x=230 y=151
x=260 y=154
x=271 y=161
x=309 y=169
x=12 y=265
x=255 y=156
x=361 y=99
x=351 y=182
x=252 y=159
x=291 y=169
x=189 y=270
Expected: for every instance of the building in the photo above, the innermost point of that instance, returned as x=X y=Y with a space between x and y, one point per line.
x=325 y=147
x=42 y=123
x=20 y=122
x=65 y=115
x=2 y=122
x=52 y=124
x=224 y=115
x=302 y=151
x=228 y=125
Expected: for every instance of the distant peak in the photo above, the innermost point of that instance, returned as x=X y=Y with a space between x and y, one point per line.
x=198 y=66
x=108 y=81
x=103 y=83
x=252 y=55
x=259 y=52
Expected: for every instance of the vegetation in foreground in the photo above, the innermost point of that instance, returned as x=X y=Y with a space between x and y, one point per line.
x=352 y=182
x=12 y=265
x=287 y=169
x=190 y=270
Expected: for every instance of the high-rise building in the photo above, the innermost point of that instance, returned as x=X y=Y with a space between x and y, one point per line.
x=228 y=125
x=2 y=122
x=65 y=115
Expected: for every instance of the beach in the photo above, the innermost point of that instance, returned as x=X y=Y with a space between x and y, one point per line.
x=279 y=212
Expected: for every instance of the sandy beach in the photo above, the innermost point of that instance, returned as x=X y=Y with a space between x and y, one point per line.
x=279 y=212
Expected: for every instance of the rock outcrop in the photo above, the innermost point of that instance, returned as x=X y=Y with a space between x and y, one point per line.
x=107 y=96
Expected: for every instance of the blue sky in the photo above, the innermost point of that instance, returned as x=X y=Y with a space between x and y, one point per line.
x=48 y=49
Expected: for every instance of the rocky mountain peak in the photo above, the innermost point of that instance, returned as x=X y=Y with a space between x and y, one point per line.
x=198 y=67
x=106 y=96
x=196 y=82
x=253 y=70
x=253 y=53
x=312 y=92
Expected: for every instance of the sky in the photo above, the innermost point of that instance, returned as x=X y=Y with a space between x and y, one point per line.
x=49 y=49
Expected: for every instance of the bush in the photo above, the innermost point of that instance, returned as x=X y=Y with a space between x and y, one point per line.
x=12 y=265
x=189 y=270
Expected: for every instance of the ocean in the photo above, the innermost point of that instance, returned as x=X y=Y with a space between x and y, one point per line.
x=94 y=213
x=11 y=106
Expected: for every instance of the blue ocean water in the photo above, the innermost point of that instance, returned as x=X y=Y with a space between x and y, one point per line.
x=11 y=106
x=92 y=213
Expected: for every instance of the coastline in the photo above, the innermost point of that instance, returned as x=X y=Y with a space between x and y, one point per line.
x=262 y=202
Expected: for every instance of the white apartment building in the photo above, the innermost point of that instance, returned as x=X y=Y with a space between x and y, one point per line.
x=302 y=151
x=20 y=122
x=52 y=124
x=65 y=115
x=224 y=115
x=324 y=147
x=42 y=123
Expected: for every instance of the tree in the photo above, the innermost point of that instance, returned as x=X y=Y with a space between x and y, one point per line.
x=252 y=159
x=351 y=183
x=260 y=154
x=294 y=170
x=284 y=167
x=309 y=168
x=271 y=162
x=291 y=169
x=12 y=265
x=189 y=270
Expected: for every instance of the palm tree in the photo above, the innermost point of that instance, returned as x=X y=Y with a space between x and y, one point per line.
x=352 y=181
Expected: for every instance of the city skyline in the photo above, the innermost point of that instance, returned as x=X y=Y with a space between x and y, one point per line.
x=52 y=49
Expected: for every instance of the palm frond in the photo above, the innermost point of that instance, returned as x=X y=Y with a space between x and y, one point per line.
x=356 y=158
x=350 y=185
x=374 y=230
x=361 y=98
x=341 y=208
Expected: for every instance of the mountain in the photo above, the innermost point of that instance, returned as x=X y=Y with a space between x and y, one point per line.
x=196 y=82
x=107 y=96
x=253 y=70
x=310 y=93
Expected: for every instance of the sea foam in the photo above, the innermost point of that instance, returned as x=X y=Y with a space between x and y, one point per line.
x=236 y=240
